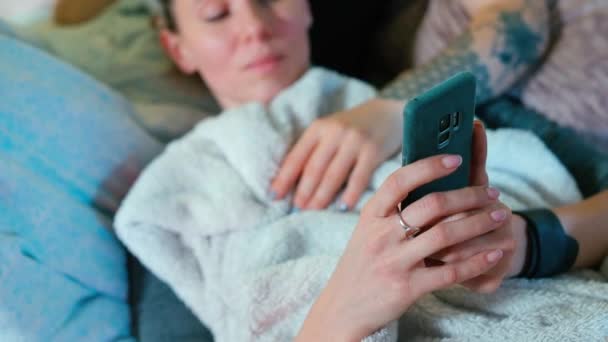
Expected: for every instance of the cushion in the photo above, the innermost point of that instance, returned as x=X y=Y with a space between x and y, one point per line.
x=5 y=29
x=121 y=49
x=69 y=150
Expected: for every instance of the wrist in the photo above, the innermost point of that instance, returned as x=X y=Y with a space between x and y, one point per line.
x=388 y=105
x=550 y=250
x=324 y=324
x=519 y=226
x=389 y=132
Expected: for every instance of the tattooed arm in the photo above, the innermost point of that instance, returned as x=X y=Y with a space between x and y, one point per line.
x=504 y=39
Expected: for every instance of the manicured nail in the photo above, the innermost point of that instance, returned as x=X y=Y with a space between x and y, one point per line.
x=451 y=162
x=494 y=256
x=499 y=215
x=493 y=193
x=343 y=207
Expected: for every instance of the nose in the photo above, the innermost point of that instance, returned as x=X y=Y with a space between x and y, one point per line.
x=255 y=21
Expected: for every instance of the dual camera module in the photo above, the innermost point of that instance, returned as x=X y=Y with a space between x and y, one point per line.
x=447 y=124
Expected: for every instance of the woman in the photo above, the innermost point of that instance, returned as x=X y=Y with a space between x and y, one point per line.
x=504 y=41
x=484 y=49
x=209 y=36
x=480 y=63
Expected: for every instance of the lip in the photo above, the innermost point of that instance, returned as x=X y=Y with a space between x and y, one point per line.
x=265 y=63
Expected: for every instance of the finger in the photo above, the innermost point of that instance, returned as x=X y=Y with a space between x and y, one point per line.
x=314 y=170
x=479 y=175
x=399 y=184
x=425 y=280
x=336 y=175
x=446 y=234
x=459 y=216
x=490 y=280
x=360 y=177
x=492 y=240
x=294 y=163
x=436 y=206
x=483 y=283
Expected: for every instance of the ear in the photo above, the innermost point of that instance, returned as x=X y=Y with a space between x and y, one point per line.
x=173 y=45
x=311 y=20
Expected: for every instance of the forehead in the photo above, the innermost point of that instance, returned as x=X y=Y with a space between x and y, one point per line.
x=189 y=5
x=192 y=2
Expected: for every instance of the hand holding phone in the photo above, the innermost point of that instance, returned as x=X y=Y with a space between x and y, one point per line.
x=440 y=121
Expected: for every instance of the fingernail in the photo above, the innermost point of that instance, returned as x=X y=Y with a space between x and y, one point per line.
x=451 y=162
x=494 y=256
x=493 y=193
x=273 y=195
x=499 y=215
x=296 y=210
x=343 y=207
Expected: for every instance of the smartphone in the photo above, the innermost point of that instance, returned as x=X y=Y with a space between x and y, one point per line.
x=440 y=121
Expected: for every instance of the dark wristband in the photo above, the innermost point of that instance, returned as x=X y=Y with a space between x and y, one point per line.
x=550 y=250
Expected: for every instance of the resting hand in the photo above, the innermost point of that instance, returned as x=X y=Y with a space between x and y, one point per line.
x=345 y=147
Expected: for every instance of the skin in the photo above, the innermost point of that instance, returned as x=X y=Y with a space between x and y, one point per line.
x=244 y=50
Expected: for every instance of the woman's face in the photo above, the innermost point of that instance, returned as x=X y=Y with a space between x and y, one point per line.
x=245 y=50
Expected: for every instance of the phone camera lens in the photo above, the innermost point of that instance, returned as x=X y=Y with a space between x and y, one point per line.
x=443 y=138
x=444 y=123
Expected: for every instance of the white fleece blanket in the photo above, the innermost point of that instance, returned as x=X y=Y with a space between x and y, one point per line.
x=202 y=219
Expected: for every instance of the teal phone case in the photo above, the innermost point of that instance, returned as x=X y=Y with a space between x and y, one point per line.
x=424 y=130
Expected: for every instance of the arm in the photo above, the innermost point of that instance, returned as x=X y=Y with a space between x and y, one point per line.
x=504 y=40
x=587 y=165
x=586 y=221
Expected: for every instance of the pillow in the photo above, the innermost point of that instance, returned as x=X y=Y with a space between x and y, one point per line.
x=5 y=29
x=69 y=150
x=121 y=49
x=62 y=273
